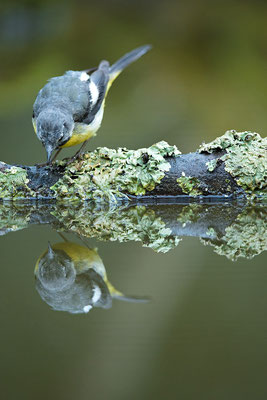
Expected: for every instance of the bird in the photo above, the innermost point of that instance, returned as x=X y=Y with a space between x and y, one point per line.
x=69 y=109
x=72 y=277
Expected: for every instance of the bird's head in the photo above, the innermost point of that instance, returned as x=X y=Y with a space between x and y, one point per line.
x=56 y=270
x=53 y=128
x=69 y=283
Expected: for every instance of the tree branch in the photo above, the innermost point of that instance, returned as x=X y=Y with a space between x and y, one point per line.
x=232 y=166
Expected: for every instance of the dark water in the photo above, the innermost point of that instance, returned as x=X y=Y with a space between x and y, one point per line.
x=201 y=333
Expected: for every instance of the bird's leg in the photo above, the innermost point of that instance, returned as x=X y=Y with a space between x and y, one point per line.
x=82 y=239
x=77 y=154
x=41 y=165
x=46 y=164
x=63 y=237
x=49 y=163
x=56 y=154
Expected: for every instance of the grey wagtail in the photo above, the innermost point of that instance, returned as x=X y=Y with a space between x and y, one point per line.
x=69 y=109
x=71 y=277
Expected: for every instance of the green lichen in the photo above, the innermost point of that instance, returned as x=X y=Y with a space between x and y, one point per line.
x=246 y=237
x=13 y=218
x=189 y=185
x=189 y=214
x=110 y=174
x=245 y=159
x=13 y=183
x=211 y=232
x=212 y=164
x=134 y=224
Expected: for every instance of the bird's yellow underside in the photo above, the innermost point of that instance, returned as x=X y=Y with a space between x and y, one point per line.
x=80 y=134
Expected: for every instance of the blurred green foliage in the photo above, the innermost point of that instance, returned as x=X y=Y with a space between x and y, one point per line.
x=205 y=74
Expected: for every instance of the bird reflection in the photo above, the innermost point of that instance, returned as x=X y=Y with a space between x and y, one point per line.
x=72 y=278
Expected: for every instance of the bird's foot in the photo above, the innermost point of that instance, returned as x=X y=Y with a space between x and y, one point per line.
x=78 y=154
x=76 y=157
x=42 y=165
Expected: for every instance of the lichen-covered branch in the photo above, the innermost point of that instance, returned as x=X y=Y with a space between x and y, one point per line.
x=234 y=230
x=233 y=165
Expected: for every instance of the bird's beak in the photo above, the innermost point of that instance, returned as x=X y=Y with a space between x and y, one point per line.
x=50 y=251
x=49 y=150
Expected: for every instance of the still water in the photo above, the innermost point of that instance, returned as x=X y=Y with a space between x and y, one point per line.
x=146 y=302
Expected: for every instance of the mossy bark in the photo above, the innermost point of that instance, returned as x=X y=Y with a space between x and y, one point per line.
x=232 y=166
x=234 y=229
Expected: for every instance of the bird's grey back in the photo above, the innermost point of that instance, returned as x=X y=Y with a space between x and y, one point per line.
x=67 y=92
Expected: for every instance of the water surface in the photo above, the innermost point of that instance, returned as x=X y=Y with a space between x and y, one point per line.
x=201 y=334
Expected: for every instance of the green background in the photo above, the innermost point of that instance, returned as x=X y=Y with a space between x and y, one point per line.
x=206 y=73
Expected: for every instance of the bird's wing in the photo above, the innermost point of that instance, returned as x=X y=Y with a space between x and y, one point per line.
x=98 y=86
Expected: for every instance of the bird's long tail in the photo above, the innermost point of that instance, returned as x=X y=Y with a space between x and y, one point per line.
x=126 y=60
